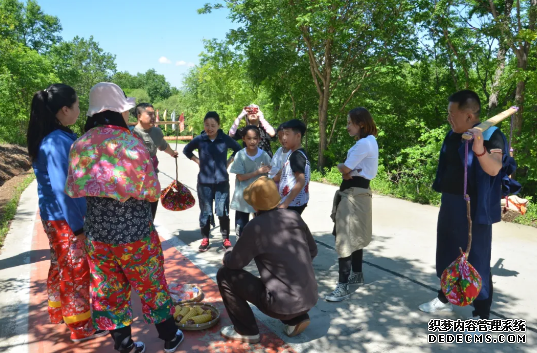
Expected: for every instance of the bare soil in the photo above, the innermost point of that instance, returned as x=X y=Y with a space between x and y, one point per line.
x=15 y=166
x=14 y=160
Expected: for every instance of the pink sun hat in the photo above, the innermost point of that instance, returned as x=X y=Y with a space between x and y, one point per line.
x=108 y=96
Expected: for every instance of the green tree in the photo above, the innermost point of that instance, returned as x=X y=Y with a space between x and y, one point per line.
x=82 y=63
x=518 y=32
x=345 y=42
x=24 y=32
x=153 y=83
x=27 y=24
x=22 y=72
x=138 y=93
x=127 y=81
x=156 y=86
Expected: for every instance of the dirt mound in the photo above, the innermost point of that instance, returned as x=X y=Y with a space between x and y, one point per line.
x=14 y=160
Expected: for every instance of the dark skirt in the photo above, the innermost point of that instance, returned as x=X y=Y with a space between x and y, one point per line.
x=452 y=233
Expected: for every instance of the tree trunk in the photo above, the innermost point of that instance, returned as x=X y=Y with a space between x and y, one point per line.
x=323 y=118
x=519 y=99
x=495 y=89
x=453 y=73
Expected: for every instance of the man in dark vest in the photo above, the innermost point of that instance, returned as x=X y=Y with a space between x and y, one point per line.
x=484 y=189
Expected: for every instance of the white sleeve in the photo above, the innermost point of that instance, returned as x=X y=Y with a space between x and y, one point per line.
x=274 y=163
x=236 y=123
x=356 y=154
x=268 y=128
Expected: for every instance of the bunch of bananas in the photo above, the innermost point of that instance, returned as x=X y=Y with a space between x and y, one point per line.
x=193 y=314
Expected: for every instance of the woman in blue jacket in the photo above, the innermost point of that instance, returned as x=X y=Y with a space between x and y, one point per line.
x=49 y=141
x=213 y=178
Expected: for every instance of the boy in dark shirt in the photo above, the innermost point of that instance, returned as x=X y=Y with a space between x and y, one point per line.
x=294 y=177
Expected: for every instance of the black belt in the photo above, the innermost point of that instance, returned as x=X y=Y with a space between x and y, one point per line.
x=355 y=182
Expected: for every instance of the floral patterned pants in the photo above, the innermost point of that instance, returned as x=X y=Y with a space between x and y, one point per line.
x=68 y=280
x=117 y=267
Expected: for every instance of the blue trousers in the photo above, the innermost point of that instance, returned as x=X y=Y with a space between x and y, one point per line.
x=452 y=233
x=241 y=220
x=219 y=194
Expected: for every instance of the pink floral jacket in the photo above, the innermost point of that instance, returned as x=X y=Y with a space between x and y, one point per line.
x=108 y=161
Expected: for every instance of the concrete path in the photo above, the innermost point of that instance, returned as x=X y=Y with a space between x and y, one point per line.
x=382 y=316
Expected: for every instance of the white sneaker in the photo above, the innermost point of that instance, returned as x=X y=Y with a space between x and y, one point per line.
x=230 y=333
x=435 y=306
x=296 y=330
x=356 y=278
x=339 y=294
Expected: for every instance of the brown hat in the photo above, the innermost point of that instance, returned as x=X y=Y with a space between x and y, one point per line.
x=262 y=194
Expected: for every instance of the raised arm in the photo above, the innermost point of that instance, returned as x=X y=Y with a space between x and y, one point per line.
x=268 y=128
x=236 y=123
x=491 y=163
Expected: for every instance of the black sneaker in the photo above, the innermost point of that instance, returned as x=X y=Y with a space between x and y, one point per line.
x=139 y=347
x=171 y=346
x=204 y=246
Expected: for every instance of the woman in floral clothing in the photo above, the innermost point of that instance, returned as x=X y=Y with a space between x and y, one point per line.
x=112 y=169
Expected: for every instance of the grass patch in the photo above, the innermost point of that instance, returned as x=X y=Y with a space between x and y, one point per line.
x=10 y=208
x=382 y=185
x=420 y=193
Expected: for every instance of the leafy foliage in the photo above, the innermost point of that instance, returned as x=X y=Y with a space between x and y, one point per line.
x=305 y=59
x=315 y=60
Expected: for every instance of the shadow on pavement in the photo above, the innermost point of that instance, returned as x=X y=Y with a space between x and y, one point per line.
x=381 y=316
x=25 y=258
x=499 y=270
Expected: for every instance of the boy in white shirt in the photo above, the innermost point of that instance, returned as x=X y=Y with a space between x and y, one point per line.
x=280 y=157
x=294 y=178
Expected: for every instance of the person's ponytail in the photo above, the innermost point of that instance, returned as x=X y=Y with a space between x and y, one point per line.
x=43 y=120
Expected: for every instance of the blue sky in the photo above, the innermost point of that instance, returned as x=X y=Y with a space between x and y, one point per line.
x=164 y=35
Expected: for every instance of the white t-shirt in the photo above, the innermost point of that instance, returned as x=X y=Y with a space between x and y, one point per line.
x=278 y=160
x=258 y=154
x=364 y=155
x=295 y=160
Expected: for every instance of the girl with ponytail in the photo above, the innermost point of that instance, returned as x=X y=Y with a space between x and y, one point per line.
x=49 y=141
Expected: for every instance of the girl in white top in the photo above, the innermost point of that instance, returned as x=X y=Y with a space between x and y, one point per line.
x=352 y=211
x=280 y=157
x=250 y=163
x=362 y=159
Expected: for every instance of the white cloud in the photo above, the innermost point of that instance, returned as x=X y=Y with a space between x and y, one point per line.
x=184 y=63
x=164 y=60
